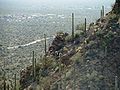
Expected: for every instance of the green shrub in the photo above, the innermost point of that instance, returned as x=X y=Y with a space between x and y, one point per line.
x=80 y=27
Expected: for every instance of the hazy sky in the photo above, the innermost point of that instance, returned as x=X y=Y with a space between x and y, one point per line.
x=58 y=3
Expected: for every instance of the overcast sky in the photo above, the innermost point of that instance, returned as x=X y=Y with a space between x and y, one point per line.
x=58 y=3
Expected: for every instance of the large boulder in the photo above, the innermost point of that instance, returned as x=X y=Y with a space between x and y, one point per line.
x=58 y=43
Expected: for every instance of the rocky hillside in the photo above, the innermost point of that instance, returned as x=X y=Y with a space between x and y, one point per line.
x=98 y=66
x=89 y=61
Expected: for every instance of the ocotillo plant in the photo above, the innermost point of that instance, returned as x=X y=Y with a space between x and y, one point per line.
x=72 y=25
x=45 y=45
x=15 y=82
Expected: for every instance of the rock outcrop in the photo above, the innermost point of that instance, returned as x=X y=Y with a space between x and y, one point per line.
x=116 y=7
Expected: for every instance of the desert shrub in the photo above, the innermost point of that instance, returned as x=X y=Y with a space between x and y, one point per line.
x=77 y=35
x=48 y=63
x=80 y=27
x=68 y=38
x=106 y=40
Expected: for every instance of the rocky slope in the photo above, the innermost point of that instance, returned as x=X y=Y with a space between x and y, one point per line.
x=84 y=63
x=99 y=64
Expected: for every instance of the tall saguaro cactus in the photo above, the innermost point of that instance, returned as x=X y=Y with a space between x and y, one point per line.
x=4 y=83
x=60 y=82
x=45 y=44
x=116 y=83
x=103 y=11
x=15 y=82
x=35 y=70
x=34 y=67
x=72 y=25
x=85 y=27
x=8 y=87
x=64 y=82
x=74 y=78
x=33 y=64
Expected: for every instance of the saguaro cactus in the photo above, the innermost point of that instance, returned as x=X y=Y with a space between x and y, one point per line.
x=74 y=76
x=35 y=70
x=45 y=45
x=72 y=25
x=4 y=83
x=15 y=82
x=116 y=83
x=85 y=27
x=33 y=64
x=64 y=87
x=103 y=11
x=8 y=87
x=59 y=63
